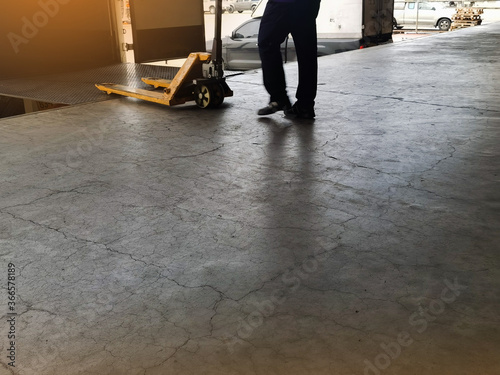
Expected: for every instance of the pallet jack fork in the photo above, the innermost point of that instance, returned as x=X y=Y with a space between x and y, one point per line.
x=201 y=78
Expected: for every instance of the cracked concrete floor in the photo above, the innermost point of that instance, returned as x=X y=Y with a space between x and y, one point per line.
x=151 y=240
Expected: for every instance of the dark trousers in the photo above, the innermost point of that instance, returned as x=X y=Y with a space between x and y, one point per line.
x=279 y=20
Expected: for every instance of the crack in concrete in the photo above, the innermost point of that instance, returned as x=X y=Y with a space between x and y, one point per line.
x=410 y=186
x=31 y=309
x=108 y=248
x=403 y=100
x=452 y=153
x=356 y=165
x=7 y=367
x=141 y=162
x=35 y=223
x=215 y=312
x=169 y=357
x=53 y=193
x=196 y=155
x=396 y=174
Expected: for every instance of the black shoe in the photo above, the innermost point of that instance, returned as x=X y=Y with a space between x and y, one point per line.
x=300 y=112
x=273 y=107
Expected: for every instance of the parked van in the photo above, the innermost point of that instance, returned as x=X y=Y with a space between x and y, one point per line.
x=429 y=14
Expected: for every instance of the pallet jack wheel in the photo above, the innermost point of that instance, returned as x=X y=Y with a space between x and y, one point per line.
x=203 y=95
x=217 y=95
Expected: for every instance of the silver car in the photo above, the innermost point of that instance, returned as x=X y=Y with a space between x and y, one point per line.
x=241 y=52
x=241 y=5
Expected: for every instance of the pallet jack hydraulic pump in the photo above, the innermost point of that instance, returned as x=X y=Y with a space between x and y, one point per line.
x=201 y=78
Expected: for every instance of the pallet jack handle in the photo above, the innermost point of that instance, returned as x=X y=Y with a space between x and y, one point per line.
x=217 y=43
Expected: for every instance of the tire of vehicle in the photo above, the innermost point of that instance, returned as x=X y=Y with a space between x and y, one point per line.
x=231 y=9
x=240 y=11
x=203 y=96
x=212 y=10
x=444 y=24
x=395 y=25
x=253 y=8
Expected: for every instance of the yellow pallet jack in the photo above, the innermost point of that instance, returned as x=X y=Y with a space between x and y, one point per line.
x=201 y=78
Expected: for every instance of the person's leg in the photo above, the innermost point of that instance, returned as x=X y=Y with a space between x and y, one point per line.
x=274 y=29
x=306 y=45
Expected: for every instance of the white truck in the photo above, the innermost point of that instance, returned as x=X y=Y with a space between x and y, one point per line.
x=342 y=25
x=427 y=14
x=365 y=21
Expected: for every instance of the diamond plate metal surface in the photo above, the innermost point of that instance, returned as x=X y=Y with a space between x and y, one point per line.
x=79 y=87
